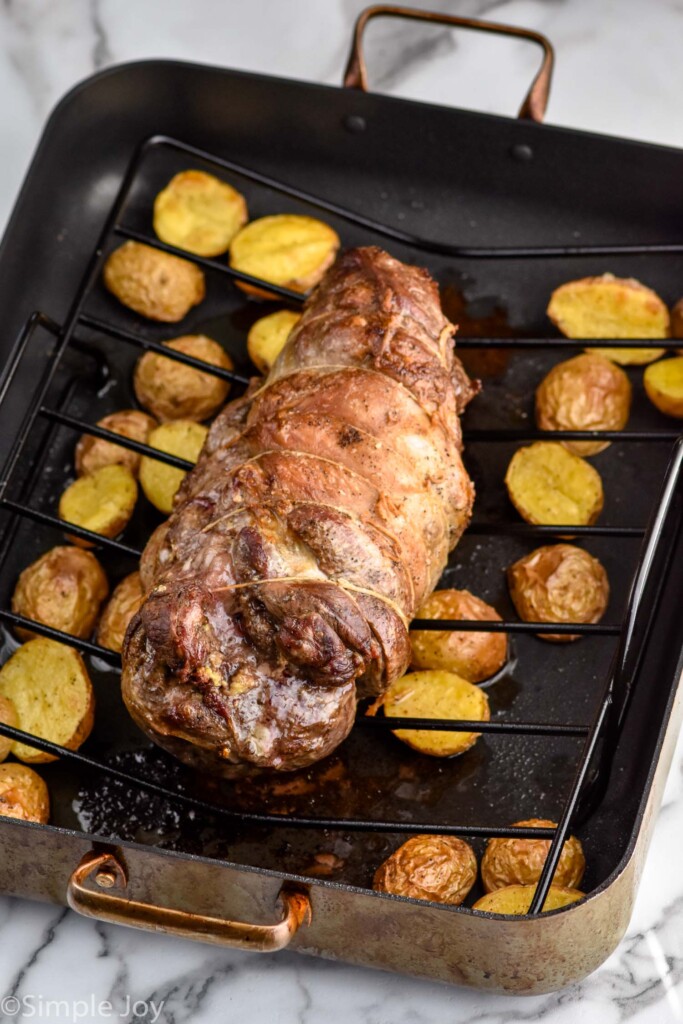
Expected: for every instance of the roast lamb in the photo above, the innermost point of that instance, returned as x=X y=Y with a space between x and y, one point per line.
x=319 y=516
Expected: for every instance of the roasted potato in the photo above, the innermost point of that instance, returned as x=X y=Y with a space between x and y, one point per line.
x=102 y=502
x=153 y=555
x=175 y=391
x=677 y=320
x=49 y=685
x=183 y=438
x=442 y=869
x=122 y=606
x=286 y=249
x=268 y=336
x=474 y=656
x=94 y=452
x=587 y=392
x=8 y=716
x=153 y=283
x=436 y=694
x=611 y=307
x=199 y=213
x=549 y=485
x=559 y=583
x=64 y=589
x=516 y=899
x=520 y=861
x=23 y=794
x=664 y=386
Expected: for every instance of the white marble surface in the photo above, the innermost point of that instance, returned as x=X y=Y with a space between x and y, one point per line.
x=618 y=71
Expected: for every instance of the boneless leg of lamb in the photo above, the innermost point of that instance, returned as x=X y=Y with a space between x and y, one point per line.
x=318 y=518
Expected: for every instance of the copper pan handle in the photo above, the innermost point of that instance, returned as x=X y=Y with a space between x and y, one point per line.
x=535 y=101
x=105 y=873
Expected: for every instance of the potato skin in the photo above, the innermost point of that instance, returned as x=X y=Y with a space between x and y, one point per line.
x=174 y=391
x=102 y=502
x=268 y=336
x=549 y=485
x=441 y=869
x=152 y=283
x=94 y=452
x=514 y=900
x=558 y=583
x=8 y=716
x=611 y=307
x=664 y=386
x=474 y=656
x=23 y=794
x=122 y=606
x=587 y=392
x=64 y=589
x=287 y=249
x=199 y=212
x=677 y=320
x=520 y=861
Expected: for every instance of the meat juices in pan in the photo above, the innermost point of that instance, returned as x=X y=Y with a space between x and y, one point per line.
x=318 y=518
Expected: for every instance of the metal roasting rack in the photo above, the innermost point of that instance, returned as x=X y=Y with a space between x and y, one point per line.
x=600 y=736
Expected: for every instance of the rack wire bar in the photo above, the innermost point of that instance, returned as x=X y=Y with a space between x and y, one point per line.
x=86 y=646
x=551 y=343
x=514 y=626
x=514 y=434
x=472 y=725
x=497 y=529
x=96 y=539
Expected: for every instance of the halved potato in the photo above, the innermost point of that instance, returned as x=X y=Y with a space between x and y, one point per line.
x=436 y=694
x=474 y=656
x=175 y=391
x=286 y=249
x=8 y=716
x=64 y=589
x=549 y=485
x=514 y=900
x=49 y=686
x=611 y=307
x=664 y=386
x=268 y=336
x=94 y=452
x=153 y=283
x=183 y=438
x=102 y=502
x=23 y=794
x=442 y=869
x=122 y=606
x=559 y=583
x=199 y=212
x=520 y=861
x=587 y=392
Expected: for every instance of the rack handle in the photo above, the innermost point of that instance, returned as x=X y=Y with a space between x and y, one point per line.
x=535 y=101
x=90 y=893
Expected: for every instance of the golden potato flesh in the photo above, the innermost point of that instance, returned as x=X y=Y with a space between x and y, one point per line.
x=515 y=900
x=559 y=583
x=611 y=307
x=122 y=606
x=286 y=249
x=64 y=589
x=442 y=869
x=175 y=391
x=199 y=212
x=94 y=452
x=8 y=716
x=474 y=656
x=549 y=485
x=102 y=502
x=49 y=685
x=23 y=794
x=520 y=861
x=159 y=481
x=268 y=336
x=677 y=320
x=587 y=392
x=152 y=283
x=436 y=694
x=664 y=386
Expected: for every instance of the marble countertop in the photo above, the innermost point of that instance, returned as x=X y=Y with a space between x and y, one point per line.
x=618 y=71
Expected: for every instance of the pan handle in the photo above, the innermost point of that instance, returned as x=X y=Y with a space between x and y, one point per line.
x=106 y=872
x=535 y=101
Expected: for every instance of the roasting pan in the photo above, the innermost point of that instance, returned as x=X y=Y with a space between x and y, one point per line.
x=501 y=210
